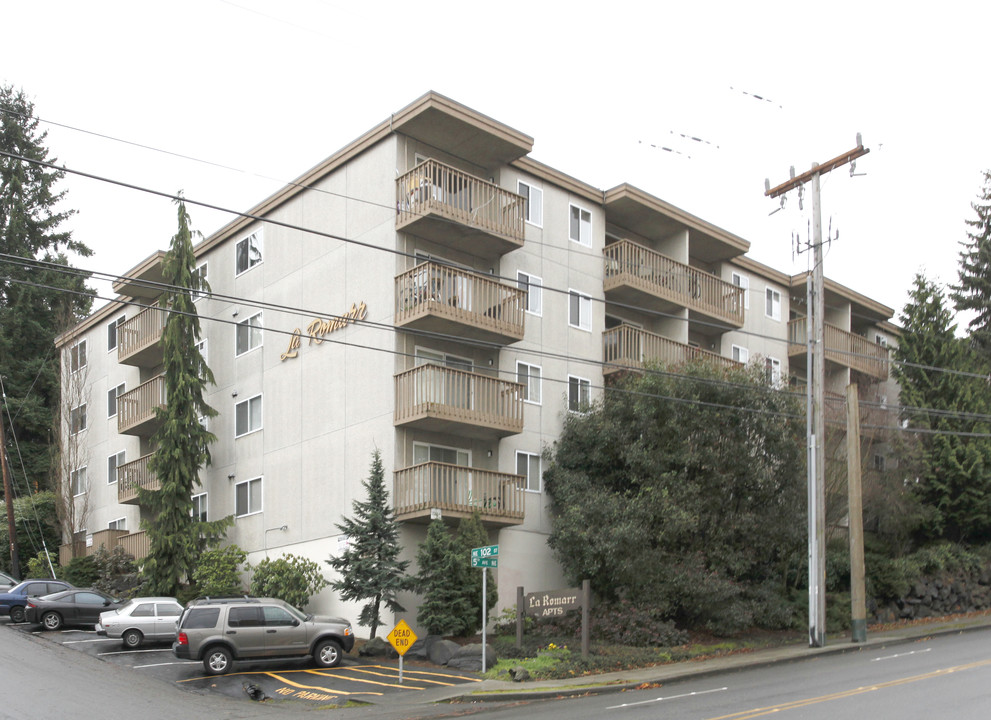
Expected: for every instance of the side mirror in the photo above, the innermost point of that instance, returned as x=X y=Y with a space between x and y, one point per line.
x=295 y=622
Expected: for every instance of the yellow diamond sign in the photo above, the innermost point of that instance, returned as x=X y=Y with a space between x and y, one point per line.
x=402 y=637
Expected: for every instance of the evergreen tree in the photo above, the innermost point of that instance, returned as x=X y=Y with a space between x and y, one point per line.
x=370 y=568
x=472 y=534
x=444 y=606
x=939 y=395
x=974 y=290
x=37 y=299
x=176 y=538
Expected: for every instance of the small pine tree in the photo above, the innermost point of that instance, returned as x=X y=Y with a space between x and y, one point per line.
x=175 y=537
x=444 y=606
x=472 y=534
x=370 y=568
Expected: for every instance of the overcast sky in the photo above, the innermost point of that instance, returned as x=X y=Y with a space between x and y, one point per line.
x=268 y=89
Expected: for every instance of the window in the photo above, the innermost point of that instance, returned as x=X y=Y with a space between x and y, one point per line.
x=77 y=356
x=438 y=453
x=248 y=335
x=112 y=332
x=879 y=463
x=579 y=393
x=77 y=419
x=580 y=227
x=579 y=310
x=112 y=395
x=248 y=497
x=248 y=416
x=77 y=481
x=740 y=354
x=881 y=340
x=199 y=281
x=742 y=281
x=144 y=610
x=773 y=368
x=118 y=524
x=528 y=465
x=529 y=376
x=201 y=346
x=113 y=463
x=533 y=211
x=533 y=286
x=248 y=252
x=199 y=507
x=772 y=304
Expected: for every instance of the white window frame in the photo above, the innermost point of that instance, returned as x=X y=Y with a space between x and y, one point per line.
x=118 y=458
x=248 y=405
x=204 y=510
x=118 y=524
x=112 y=395
x=742 y=281
x=200 y=271
x=112 y=332
x=584 y=225
x=429 y=446
x=532 y=385
x=580 y=383
x=583 y=307
x=250 y=331
x=251 y=240
x=772 y=298
x=201 y=346
x=77 y=481
x=740 y=354
x=879 y=462
x=530 y=457
x=77 y=356
x=773 y=367
x=881 y=340
x=533 y=212
x=77 y=419
x=248 y=484
x=533 y=286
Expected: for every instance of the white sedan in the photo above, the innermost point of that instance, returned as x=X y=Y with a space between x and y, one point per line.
x=141 y=619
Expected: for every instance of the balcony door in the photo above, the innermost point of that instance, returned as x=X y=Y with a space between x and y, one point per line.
x=448 y=484
x=435 y=385
x=444 y=281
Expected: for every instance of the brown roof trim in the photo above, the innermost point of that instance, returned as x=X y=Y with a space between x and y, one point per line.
x=626 y=190
x=112 y=307
x=845 y=292
x=565 y=182
x=761 y=269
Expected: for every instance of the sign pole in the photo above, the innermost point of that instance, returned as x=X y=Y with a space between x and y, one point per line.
x=485 y=574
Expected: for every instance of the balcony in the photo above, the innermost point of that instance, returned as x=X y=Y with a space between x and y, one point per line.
x=131 y=476
x=628 y=347
x=843 y=348
x=452 y=208
x=136 y=408
x=138 y=338
x=640 y=276
x=442 y=399
x=457 y=492
x=439 y=298
x=136 y=544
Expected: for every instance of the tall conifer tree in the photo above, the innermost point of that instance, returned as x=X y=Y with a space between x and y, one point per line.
x=182 y=442
x=974 y=291
x=445 y=605
x=472 y=534
x=370 y=568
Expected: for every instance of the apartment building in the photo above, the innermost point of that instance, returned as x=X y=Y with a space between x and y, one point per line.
x=432 y=292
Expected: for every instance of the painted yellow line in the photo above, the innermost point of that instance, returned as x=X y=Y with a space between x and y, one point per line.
x=361 y=680
x=758 y=712
x=407 y=671
x=396 y=676
x=329 y=691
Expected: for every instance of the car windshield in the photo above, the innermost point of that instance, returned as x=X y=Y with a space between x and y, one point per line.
x=296 y=613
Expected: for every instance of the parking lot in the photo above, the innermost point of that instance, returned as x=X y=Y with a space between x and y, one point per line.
x=356 y=678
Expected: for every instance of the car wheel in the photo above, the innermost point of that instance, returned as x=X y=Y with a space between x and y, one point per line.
x=217 y=660
x=51 y=620
x=17 y=614
x=327 y=654
x=132 y=639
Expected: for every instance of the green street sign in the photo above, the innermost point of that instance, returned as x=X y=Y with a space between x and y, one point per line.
x=489 y=551
x=489 y=562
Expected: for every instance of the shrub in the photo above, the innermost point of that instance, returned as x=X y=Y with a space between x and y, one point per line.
x=81 y=571
x=116 y=571
x=290 y=578
x=218 y=571
x=624 y=623
x=41 y=565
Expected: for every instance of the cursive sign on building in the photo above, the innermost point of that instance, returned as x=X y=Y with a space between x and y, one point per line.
x=320 y=328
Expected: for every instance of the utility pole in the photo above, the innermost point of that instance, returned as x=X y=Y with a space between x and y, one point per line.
x=15 y=564
x=858 y=594
x=816 y=370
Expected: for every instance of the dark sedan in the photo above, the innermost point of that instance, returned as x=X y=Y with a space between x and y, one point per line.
x=69 y=607
x=14 y=601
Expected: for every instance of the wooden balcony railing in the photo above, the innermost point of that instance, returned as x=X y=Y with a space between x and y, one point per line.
x=842 y=347
x=136 y=408
x=136 y=544
x=447 y=399
x=460 y=210
x=441 y=298
x=629 y=265
x=626 y=346
x=131 y=476
x=458 y=491
x=138 y=338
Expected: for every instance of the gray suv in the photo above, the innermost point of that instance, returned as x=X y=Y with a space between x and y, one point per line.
x=219 y=631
